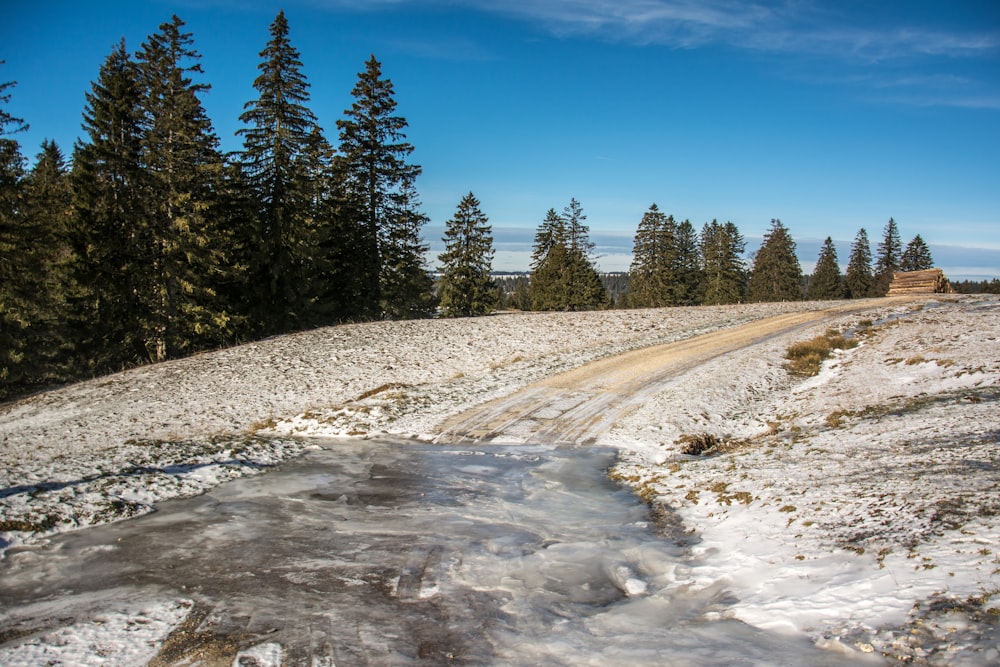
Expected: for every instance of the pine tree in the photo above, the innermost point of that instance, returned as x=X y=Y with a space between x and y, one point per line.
x=109 y=228
x=9 y=125
x=234 y=212
x=466 y=263
x=722 y=264
x=563 y=274
x=649 y=274
x=858 y=279
x=577 y=233
x=46 y=216
x=582 y=284
x=550 y=232
x=184 y=250
x=887 y=257
x=826 y=282
x=336 y=285
x=405 y=284
x=776 y=274
x=374 y=149
x=687 y=272
x=278 y=134
x=583 y=287
x=15 y=296
x=917 y=256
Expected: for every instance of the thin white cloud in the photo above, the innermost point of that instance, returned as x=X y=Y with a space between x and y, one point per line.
x=779 y=26
x=812 y=41
x=874 y=45
x=771 y=26
x=678 y=23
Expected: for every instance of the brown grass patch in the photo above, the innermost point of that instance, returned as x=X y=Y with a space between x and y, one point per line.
x=806 y=357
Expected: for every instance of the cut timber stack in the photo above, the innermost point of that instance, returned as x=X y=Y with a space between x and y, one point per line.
x=931 y=281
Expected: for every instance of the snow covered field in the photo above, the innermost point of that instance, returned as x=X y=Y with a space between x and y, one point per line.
x=861 y=506
x=110 y=447
x=858 y=507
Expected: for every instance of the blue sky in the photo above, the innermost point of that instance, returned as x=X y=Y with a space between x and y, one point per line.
x=831 y=116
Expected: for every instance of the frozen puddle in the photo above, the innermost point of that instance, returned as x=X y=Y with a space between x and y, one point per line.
x=387 y=553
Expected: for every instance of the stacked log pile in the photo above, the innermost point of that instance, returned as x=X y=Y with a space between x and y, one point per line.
x=931 y=281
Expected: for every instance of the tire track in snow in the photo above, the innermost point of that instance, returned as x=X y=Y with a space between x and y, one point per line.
x=577 y=406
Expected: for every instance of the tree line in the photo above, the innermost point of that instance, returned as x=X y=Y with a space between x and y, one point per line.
x=673 y=265
x=150 y=243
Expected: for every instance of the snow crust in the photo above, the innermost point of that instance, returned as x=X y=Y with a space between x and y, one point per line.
x=858 y=507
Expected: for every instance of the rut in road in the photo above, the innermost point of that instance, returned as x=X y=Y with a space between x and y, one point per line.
x=578 y=406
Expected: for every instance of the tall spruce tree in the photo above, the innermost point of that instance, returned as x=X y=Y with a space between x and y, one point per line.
x=887 y=257
x=467 y=289
x=650 y=275
x=184 y=249
x=688 y=277
x=374 y=151
x=776 y=274
x=722 y=264
x=47 y=207
x=550 y=232
x=15 y=291
x=406 y=286
x=858 y=280
x=584 y=289
x=336 y=287
x=917 y=256
x=564 y=276
x=826 y=282
x=110 y=189
x=279 y=127
x=577 y=232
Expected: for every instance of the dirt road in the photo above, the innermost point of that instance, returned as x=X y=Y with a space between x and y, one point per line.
x=577 y=406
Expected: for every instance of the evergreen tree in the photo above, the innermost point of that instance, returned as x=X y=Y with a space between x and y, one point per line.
x=859 y=280
x=826 y=281
x=563 y=276
x=917 y=256
x=277 y=136
x=183 y=245
x=405 y=284
x=722 y=265
x=466 y=263
x=234 y=212
x=374 y=151
x=582 y=284
x=652 y=255
x=47 y=207
x=577 y=233
x=887 y=257
x=550 y=232
x=110 y=227
x=687 y=272
x=666 y=267
x=15 y=292
x=547 y=288
x=584 y=288
x=512 y=292
x=9 y=124
x=776 y=274
x=336 y=285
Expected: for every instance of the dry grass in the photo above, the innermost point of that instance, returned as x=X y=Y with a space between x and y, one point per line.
x=806 y=357
x=700 y=444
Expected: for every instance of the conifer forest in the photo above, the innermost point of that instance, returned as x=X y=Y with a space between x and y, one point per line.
x=146 y=242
